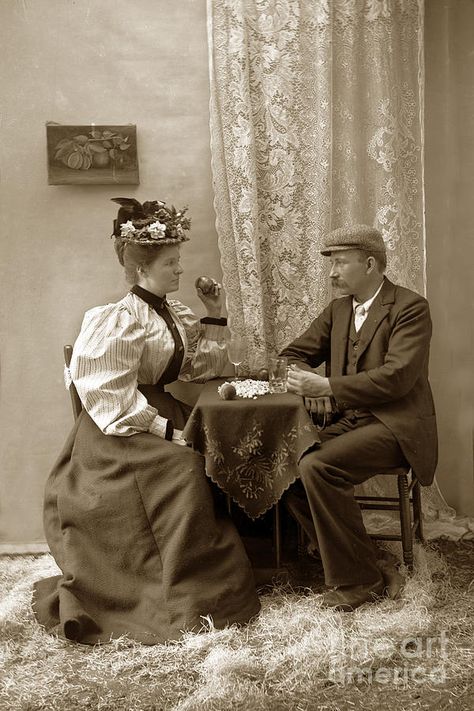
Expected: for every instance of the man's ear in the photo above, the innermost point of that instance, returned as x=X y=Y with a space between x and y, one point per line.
x=371 y=264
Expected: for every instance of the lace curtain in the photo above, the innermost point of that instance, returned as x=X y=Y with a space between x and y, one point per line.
x=316 y=122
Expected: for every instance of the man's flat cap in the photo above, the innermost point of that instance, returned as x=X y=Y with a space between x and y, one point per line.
x=356 y=237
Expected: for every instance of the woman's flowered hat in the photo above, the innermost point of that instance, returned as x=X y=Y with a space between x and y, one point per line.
x=150 y=223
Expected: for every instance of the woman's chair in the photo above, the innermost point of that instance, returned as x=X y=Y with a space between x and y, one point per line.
x=75 y=399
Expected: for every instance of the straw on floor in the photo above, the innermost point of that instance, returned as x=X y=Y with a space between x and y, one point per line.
x=413 y=653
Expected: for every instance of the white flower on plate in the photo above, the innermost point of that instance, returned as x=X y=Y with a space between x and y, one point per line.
x=127 y=228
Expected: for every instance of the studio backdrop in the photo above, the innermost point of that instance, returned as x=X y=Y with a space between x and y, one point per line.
x=316 y=123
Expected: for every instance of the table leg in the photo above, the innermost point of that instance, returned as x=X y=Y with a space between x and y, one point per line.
x=277 y=534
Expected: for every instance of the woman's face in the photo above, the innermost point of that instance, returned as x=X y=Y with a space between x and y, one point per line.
x=162 y=276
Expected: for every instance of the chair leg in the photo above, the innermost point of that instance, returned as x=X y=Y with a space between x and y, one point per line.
x=301 y=540
x=417 y=512
x=277 y=534
x=405 y=521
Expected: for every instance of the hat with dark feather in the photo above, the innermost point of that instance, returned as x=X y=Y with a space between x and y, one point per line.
x=150 y=223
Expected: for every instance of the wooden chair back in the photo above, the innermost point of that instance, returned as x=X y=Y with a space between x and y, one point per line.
x=75 y=399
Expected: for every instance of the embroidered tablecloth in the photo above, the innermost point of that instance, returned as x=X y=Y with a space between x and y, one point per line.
x=251 y=446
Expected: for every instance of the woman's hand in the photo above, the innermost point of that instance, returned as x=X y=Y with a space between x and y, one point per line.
x=212 y=300
x=178 y=438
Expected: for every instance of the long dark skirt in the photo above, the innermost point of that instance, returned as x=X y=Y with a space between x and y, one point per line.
x=132 y=525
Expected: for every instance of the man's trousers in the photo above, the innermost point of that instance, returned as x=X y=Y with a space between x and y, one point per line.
x=352 y=450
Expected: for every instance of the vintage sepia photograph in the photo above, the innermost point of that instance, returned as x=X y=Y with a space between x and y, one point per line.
x=236 y=417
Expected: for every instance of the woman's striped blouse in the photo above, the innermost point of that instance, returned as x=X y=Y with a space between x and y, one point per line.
x=127 y=343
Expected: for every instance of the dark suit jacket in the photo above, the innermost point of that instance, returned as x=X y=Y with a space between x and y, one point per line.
x=392 y=367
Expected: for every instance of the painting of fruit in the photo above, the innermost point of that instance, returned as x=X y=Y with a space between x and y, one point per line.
x=92 y=154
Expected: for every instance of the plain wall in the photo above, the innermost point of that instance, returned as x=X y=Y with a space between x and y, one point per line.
x=449 y=171
x=145 y=62
x=111 y=62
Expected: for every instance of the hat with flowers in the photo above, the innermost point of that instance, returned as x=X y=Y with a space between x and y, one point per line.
x=150 y=223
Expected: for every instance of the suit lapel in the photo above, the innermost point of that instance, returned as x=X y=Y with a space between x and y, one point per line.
x=377 y=312
x=340 y=332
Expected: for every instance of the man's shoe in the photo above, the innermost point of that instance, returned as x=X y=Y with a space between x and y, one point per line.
x=348 y=597
x=393 y=580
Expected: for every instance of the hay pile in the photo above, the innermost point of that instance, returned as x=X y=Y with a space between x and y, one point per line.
x=412 y=653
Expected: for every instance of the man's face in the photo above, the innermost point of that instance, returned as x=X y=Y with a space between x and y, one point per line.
x=349 y=271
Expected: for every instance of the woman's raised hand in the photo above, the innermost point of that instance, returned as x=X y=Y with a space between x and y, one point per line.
x=210 y=293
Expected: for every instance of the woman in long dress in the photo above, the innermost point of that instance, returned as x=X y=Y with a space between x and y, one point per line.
x=129 y=513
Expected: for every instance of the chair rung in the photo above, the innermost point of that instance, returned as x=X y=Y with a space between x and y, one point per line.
x=379 y=507
x=379 y=498
x=385 y=536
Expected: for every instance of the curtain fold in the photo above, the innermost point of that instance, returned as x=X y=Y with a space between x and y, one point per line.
x=316 y=117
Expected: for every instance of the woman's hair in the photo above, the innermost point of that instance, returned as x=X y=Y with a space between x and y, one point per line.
x=132 y=256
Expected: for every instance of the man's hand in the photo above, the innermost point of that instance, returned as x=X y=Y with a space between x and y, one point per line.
x=321 y=409
x=307 y=384
x=311 y=404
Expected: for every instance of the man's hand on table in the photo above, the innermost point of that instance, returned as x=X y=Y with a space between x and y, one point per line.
x=308 y=384
x=316 y=392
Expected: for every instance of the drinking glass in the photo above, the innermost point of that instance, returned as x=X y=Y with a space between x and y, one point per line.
x=277 y=375
x=236 y=347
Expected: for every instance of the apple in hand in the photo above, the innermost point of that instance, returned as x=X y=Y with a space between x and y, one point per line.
x=206 y=284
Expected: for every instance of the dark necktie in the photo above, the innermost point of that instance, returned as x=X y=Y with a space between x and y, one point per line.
x=160 y=305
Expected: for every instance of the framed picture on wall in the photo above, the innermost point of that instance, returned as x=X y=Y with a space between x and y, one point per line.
x=92 y=154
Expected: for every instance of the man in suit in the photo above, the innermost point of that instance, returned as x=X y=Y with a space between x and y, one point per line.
x=375 y=343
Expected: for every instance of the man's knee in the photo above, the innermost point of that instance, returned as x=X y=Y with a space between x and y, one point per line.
x=311 y=464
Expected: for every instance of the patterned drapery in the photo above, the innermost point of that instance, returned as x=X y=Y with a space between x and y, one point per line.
x=316 y=119
x=315 y=123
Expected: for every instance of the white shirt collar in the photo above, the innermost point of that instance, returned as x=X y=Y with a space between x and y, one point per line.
x=367 y=304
